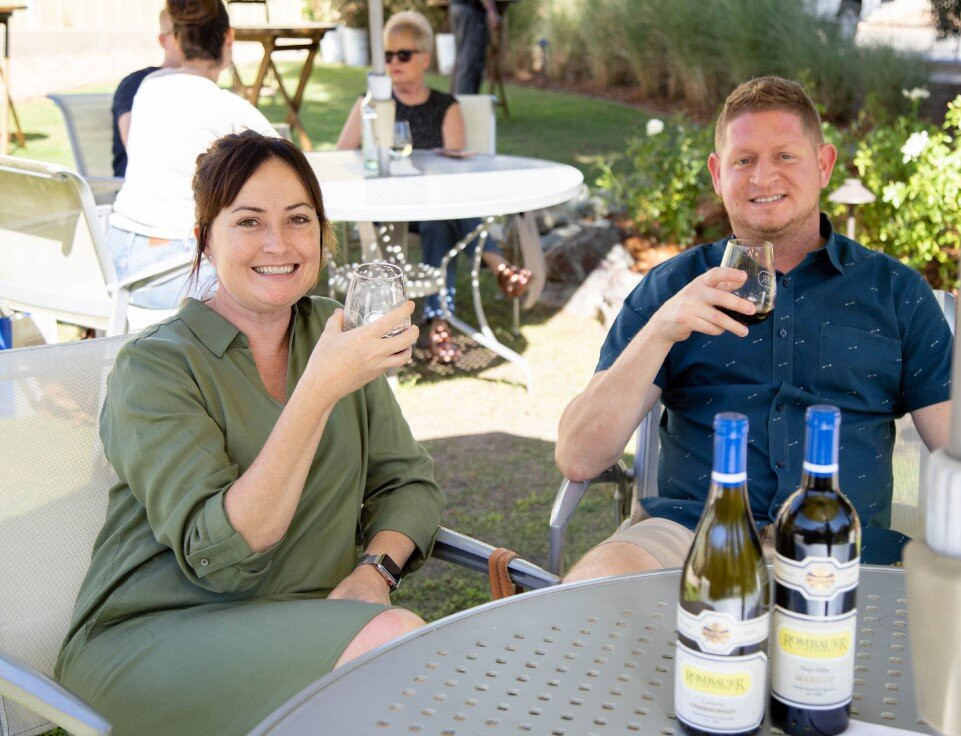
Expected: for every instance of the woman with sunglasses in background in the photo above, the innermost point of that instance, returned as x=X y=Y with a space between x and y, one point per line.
x=435 y=122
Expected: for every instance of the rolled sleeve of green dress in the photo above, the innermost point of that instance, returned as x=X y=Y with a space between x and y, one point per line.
x=171 y=453
x=400 y=493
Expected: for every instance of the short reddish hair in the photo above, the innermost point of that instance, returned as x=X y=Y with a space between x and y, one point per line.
x=769 y=93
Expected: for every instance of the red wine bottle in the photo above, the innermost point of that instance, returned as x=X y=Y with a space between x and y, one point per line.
x=817 y=551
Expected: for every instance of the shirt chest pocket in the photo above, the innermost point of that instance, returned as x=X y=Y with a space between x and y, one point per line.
x=858 y=369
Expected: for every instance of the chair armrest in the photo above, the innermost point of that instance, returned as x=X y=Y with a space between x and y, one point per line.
x=41 y=694
x=473 y=554
x=566 y=501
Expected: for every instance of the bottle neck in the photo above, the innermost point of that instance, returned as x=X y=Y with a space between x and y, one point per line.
x=824 y=482
x=732 y=496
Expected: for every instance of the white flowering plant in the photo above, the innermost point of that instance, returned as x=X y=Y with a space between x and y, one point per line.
x=914 y=168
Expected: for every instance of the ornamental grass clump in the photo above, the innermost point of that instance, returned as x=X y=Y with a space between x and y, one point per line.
x=695 y=52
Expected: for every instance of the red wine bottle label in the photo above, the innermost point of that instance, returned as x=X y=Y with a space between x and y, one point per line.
x=813 y=659
x=816 y=578
x=719 y=694
x=720 y=633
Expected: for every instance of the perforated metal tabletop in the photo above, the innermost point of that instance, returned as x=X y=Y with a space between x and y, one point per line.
x=589 y=658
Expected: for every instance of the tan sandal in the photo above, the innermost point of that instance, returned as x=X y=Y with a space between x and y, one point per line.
x=513 y=280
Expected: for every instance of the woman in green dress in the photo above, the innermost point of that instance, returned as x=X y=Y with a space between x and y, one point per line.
x=257 y=446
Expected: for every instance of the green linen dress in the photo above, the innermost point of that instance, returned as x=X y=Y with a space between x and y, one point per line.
x=179 y=627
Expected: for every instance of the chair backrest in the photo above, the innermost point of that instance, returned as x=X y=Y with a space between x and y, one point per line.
x=89 y=124
x=52 y=255
x=54 y=481
x=480 y=122
x=909 y=458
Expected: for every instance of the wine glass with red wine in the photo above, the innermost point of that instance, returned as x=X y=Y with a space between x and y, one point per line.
x=756 y=257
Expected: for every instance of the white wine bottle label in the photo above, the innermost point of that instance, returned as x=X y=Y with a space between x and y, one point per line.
x=813 y=659
x=817 y=578
x=720 y=633
x=719 y=694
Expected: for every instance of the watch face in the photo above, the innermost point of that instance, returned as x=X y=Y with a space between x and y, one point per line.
x=390 y=566
x=385 y=566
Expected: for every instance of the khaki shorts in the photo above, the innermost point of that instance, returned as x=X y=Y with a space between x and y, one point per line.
x=669 y=542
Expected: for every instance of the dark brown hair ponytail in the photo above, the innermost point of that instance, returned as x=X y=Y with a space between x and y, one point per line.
x=200 y=27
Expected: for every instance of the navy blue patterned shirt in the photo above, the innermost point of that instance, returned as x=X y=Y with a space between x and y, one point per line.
x=850 y=327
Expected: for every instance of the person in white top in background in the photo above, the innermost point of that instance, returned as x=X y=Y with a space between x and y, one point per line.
x=177 y=113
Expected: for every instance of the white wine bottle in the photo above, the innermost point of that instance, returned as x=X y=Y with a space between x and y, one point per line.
x=817 y=551
x=720 y=678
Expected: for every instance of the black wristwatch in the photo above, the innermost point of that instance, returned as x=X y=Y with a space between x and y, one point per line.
x=387 y=568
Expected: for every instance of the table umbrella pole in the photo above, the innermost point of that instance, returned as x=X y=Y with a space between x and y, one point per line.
x=376 y=15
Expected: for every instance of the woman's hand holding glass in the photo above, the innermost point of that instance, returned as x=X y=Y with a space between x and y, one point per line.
x=346 y=360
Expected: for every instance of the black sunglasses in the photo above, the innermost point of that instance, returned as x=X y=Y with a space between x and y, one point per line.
x=403 y=55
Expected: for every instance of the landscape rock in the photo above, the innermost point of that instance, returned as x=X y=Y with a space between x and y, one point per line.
x=577 y=250
x=602 y=292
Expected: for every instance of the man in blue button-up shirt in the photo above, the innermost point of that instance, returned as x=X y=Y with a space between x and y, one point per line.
x=850 y=327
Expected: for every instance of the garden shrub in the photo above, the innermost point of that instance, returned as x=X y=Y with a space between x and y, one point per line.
x=662 y=180
x=912 y=166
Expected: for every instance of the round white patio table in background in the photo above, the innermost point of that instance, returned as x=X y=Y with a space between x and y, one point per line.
x=484 y=186
x=586 y=658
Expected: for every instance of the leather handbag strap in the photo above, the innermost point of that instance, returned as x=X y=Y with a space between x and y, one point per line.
x=501 y=585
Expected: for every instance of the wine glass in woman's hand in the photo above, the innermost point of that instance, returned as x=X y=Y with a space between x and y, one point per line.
x=375 y=289
x=756 y=258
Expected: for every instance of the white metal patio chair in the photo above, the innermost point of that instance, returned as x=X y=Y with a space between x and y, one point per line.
x=54 y=482
x=632 y=484
x=53 y=259
x=89 y=124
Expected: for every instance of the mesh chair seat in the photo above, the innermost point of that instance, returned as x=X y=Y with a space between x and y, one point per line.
x=422 y=280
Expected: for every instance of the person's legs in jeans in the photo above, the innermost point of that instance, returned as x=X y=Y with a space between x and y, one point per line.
x=132 y=252
x=437 y=237
x=470 y=37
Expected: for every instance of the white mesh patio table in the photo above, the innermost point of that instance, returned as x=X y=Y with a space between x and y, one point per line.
x=587 y=658
x=484 y=186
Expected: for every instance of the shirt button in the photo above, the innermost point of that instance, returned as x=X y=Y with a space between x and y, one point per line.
x=778 y=407
x=786 y=281
x=779 y=464
x=782 y=332
x=205 y=562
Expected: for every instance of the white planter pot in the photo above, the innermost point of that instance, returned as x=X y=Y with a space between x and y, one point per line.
x=332 y=47
x=446 y=52
x=356 y=46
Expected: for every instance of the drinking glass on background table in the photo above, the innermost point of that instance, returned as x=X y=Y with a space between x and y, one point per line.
x=402 y=144
x=756 y=257
x=375 y=289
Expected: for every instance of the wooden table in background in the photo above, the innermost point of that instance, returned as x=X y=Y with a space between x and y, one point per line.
x=6 y=106
x=283 y=37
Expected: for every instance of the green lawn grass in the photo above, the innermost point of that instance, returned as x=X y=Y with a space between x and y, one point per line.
x=542 y=124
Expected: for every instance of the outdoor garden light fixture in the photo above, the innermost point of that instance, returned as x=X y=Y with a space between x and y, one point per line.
x=852 y=193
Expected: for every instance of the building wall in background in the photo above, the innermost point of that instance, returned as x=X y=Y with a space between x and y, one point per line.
x=130 y=15
x=49 y=27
